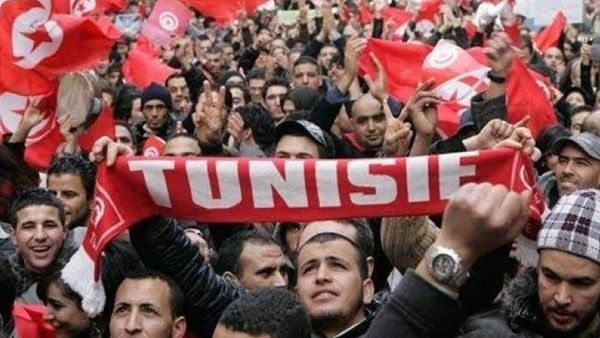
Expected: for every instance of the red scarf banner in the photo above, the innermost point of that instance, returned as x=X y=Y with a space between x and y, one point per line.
x=261 y=190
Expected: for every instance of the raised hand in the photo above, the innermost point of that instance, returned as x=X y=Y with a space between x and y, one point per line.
x=493 y=133
x=208 y=118
x=105 y=149
x=480 y=218
x=235 y=128
x=378 y=87
x=422 y=108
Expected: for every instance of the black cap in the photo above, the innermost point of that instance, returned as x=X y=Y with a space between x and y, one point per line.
x=311 y=131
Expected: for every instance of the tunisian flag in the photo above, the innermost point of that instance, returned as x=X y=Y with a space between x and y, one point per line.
x=30 y=323
x=88 y=7
x=524 y=97
x=549 y=36
x=168 y=18
x=224 y=11
x=402 y=62
x=141 y=69
x=37 y=46
x=44 y=138
x=458 y=76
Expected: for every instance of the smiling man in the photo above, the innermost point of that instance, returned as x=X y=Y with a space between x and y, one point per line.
x=38 y=231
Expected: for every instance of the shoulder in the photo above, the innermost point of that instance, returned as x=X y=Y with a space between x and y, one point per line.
x=492 y=323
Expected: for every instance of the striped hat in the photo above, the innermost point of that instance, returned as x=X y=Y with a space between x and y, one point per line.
x=573 y=225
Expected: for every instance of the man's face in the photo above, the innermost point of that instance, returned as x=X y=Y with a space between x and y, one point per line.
x=296 y=147
x=142 y=309
x=307 y=74
x=255 y=87
x=274 y=98
x=70 y=190
x=214 y=62
x=178 y=89
x=368 y=121
x=155 y=113
x=123 y=136
x=577 y=121
x=237 y=96
x=553 y=57
x=575 y=100
x=576 y=170
x=569 y=290
x=39 y=235
x=325 y=56
x=262 y=265
x=182 y=146
x=228 y=54
x=202 y=46
x=330 y=286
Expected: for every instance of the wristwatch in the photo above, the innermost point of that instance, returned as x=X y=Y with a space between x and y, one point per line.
x=445 y=267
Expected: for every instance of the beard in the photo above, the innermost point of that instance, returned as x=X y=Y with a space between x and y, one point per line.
x=339 y=319
x=581 y=327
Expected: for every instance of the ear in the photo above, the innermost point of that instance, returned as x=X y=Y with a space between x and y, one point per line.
x=230 y=276
x=179 y=327
x=247 y=134
x=370 y=265
x=368 y=291
x=13 y=236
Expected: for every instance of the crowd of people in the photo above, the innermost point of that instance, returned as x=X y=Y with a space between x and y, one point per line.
x=257 y=87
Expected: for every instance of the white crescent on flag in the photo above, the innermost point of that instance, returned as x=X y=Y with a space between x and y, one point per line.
x=34 y=36
x=82 y=7
x=12 y=108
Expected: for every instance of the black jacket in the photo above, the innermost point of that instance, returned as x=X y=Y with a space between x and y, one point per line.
x=163 y=246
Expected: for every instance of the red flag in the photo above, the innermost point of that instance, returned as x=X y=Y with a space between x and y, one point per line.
x=88 y=7
x=458 y=77
x=168 y=18
x=224 y=11
x=512 y=30
x=549 y=36
x=103 y=126
x=37 y=46
x=525 y=97
x=364 y=13
x=429 y=10
x=30 y=323
x=403 y=73
x=398 y=16
x=142 y=69
x=153 y=146
x=44 y=138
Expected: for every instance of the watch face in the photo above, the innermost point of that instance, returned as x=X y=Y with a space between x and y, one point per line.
x=443 y=265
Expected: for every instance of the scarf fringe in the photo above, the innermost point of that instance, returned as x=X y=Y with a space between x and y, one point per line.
x=79 y=275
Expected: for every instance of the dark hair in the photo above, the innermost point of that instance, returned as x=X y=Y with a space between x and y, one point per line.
x=76 y=165
x=298 y=132
x=54 y=279
x=176 y=295
x=304 y=98
x=227 y=75
x=175 y=75
x=232 y=247
x=276 y=81
x=8 y=285
x=123 y=102
x=36 y=196
x=126 y=126
x=580 y=109
x=305 y=59
x=244 y=89
x=338 y=59
x=274 y=311
x=262 y=124
x=255 y=73
x=326 y=237
x=544 y=142
x=115 y=67
x=214 y=50
x=15 y=176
